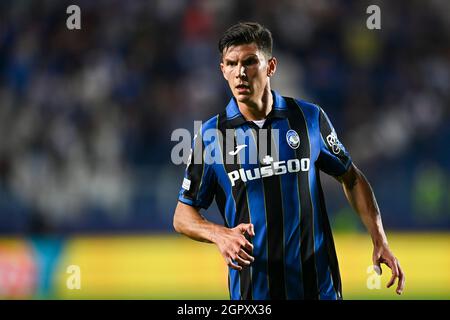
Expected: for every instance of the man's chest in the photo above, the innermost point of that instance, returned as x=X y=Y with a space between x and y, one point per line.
x=249 y=153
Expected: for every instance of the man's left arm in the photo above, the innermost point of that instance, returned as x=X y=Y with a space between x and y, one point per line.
x=361 y=197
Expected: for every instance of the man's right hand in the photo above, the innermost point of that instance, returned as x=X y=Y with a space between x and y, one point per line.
x=233 y=245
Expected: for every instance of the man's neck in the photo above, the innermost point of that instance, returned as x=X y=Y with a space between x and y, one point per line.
x=257 y=110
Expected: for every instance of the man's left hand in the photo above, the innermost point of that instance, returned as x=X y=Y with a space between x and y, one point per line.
x=382 y=254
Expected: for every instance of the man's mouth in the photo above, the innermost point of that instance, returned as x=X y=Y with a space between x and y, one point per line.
x=242 y=88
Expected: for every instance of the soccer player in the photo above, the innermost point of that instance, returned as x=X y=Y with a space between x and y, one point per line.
x=277 y=239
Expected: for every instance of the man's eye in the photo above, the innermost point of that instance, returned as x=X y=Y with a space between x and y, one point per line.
x=230 y=63
x=250 y=62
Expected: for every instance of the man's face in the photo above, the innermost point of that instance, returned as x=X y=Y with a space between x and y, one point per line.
x=247 y=70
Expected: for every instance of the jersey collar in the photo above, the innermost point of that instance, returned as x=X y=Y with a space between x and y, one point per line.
x=235 y=117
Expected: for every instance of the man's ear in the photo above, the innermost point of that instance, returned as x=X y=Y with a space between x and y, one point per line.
x=272 y=66
x=222 y=68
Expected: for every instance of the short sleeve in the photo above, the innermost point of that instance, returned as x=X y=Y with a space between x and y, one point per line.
x=199 y=182
x=334 y=159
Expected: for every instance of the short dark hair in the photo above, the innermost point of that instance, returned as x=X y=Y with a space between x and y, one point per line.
x=245 y=33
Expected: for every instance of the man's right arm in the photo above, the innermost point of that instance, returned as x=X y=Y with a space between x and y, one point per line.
x=188 y=221
x=231 y=243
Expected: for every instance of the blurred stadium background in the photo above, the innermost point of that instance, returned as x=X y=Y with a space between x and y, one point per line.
x=86 y=118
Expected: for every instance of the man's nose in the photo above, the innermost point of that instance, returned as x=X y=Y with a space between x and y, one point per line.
x=241 y=72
